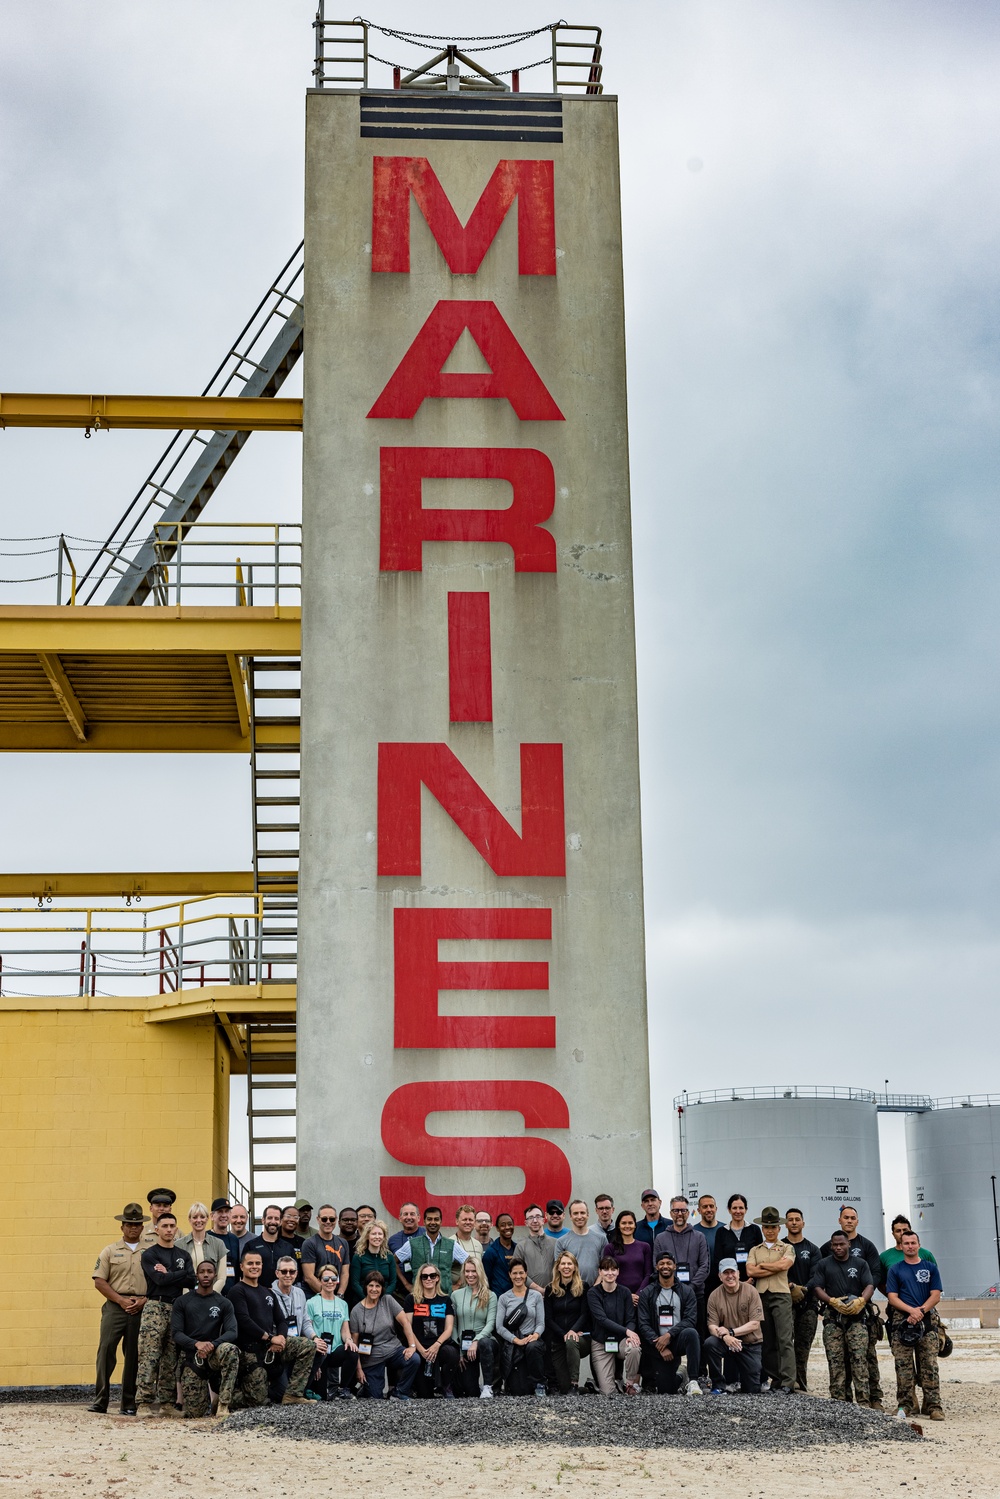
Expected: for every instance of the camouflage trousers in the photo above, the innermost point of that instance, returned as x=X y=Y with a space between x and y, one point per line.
x=806 y=1316
x=298 y=1355
x=197 y=1395
x=847 y=1358
x=874 y=1378
x=157 y=1373
x=917 y=1363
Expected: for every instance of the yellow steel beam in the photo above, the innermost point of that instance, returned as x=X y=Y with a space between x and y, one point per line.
x=239 y=692
x=64 y=694
x=85 y=629
x=181 y=882
x=172 y=413
x=238 y=1002
x=153 y=738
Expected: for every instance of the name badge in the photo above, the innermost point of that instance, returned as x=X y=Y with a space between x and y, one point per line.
x=468 y=1339
x=611 y=1345
x=683 y=1274
x=741 y=1256
x=666 y=1321
x=293 y=1329
x=364 y=1346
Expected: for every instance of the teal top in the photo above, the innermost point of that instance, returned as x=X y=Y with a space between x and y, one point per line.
x=470 y=1316
x=360 y=1266
x=328 y=1317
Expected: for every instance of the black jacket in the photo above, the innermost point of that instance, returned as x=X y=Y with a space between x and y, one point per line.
x=202 y=1319
x=726 y=1245
x=646 y=1315
x=612 y=1313
x=259 y=1316
x=563 y=1314
x=179 y=1275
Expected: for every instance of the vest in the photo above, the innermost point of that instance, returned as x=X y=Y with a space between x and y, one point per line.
x=441 y=1255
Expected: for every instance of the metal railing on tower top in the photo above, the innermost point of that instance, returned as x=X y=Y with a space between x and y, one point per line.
x=343 y=58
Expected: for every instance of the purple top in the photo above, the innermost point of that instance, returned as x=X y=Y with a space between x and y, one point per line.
x=636 y=1261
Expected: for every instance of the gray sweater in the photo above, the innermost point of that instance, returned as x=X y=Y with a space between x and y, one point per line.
x=533 y=1322
x=538 y=1257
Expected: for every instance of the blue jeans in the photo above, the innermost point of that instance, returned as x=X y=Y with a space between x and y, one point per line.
x=406 y=1372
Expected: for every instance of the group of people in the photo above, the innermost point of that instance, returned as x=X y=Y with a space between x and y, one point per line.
x=220 y=1317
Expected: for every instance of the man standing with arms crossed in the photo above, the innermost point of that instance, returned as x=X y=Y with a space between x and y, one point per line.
x=169 y=1273
x=118 y=1277
x=805 y=1312
x=768 y=1265
x=537 y=1253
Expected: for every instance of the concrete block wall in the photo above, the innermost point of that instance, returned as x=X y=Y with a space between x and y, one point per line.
x=96 y=1107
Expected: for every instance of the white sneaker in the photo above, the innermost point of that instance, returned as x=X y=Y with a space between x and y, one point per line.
x=694 y=1388
x=486 y=1393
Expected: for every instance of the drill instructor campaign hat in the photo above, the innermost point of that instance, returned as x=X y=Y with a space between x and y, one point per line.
x=132 y=1214
x=770 y=1217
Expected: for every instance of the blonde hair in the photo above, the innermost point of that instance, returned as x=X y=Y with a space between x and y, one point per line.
x=576 y=1284
x=383 y=1253
x=197 y=1207
x=482 y=1284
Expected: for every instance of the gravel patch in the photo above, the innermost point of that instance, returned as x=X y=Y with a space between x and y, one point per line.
x=60 y=1394
x=761 y=1423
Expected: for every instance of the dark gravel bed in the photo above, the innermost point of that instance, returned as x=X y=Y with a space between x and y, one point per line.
x=60 y=1394
x=764 y=1423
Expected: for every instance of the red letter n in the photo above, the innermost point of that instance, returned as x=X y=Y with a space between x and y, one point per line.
x=406 y=525
x=420 y=977
x=404 y=768
x=530 y=182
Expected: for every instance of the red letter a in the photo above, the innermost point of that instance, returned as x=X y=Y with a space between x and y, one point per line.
x=419 y=374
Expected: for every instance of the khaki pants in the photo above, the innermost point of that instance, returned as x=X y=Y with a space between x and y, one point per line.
x=604 y=1364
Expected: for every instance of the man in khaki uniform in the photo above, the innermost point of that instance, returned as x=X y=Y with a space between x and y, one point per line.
x=118 y=1277
x=161 y=1200
x=768 y=1265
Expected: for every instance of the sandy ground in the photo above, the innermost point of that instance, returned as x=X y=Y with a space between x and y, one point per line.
x=63 y=1452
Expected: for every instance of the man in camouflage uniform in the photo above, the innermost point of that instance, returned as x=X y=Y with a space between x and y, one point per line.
x=914 y=1289
x=262 y=1334
x=169 y=1272
x=203 y=1326
x=805 y=1311
x=844 y=1286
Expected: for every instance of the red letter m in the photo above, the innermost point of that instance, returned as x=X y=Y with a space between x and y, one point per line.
x=403 y=768
x=530 y=182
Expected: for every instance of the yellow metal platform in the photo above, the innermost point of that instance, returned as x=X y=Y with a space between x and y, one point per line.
x=156 y=679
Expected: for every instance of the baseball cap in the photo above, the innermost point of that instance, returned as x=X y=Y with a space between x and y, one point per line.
x=300 y=1203
x=665 y=1254
x=220 y=1203
x=131 y=1213
x=648 y=1192
x=728 y=1265
x=555 y=1206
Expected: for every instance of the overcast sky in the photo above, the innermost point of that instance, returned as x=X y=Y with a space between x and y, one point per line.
x=811 y=225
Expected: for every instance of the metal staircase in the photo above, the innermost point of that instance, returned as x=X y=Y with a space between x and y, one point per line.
x=127 y=569
x=275 y=694
x=270 y=1052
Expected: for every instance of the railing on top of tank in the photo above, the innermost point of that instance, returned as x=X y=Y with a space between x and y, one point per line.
x=739 y=1095
x=966 y=1101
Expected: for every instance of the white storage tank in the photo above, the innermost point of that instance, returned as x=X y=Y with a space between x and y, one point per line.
x=803 y=1147
x=952 y=1150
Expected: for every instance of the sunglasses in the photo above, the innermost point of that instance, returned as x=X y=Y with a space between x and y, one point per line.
x=430 y=1277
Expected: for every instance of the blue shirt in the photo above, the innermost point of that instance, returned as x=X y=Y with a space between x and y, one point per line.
x=913 y=1283
x=647 y=1231
x=396 y=1241
x=555 y=1233
x=710 y=1234
x=495 y=1263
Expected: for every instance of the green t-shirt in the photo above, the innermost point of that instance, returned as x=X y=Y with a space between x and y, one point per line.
x=890 y=1257
x=328 y=1318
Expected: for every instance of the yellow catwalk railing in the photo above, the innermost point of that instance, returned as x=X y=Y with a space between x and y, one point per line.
x=134 y=950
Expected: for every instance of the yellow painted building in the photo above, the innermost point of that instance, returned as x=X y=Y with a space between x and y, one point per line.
x=99 y=1102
